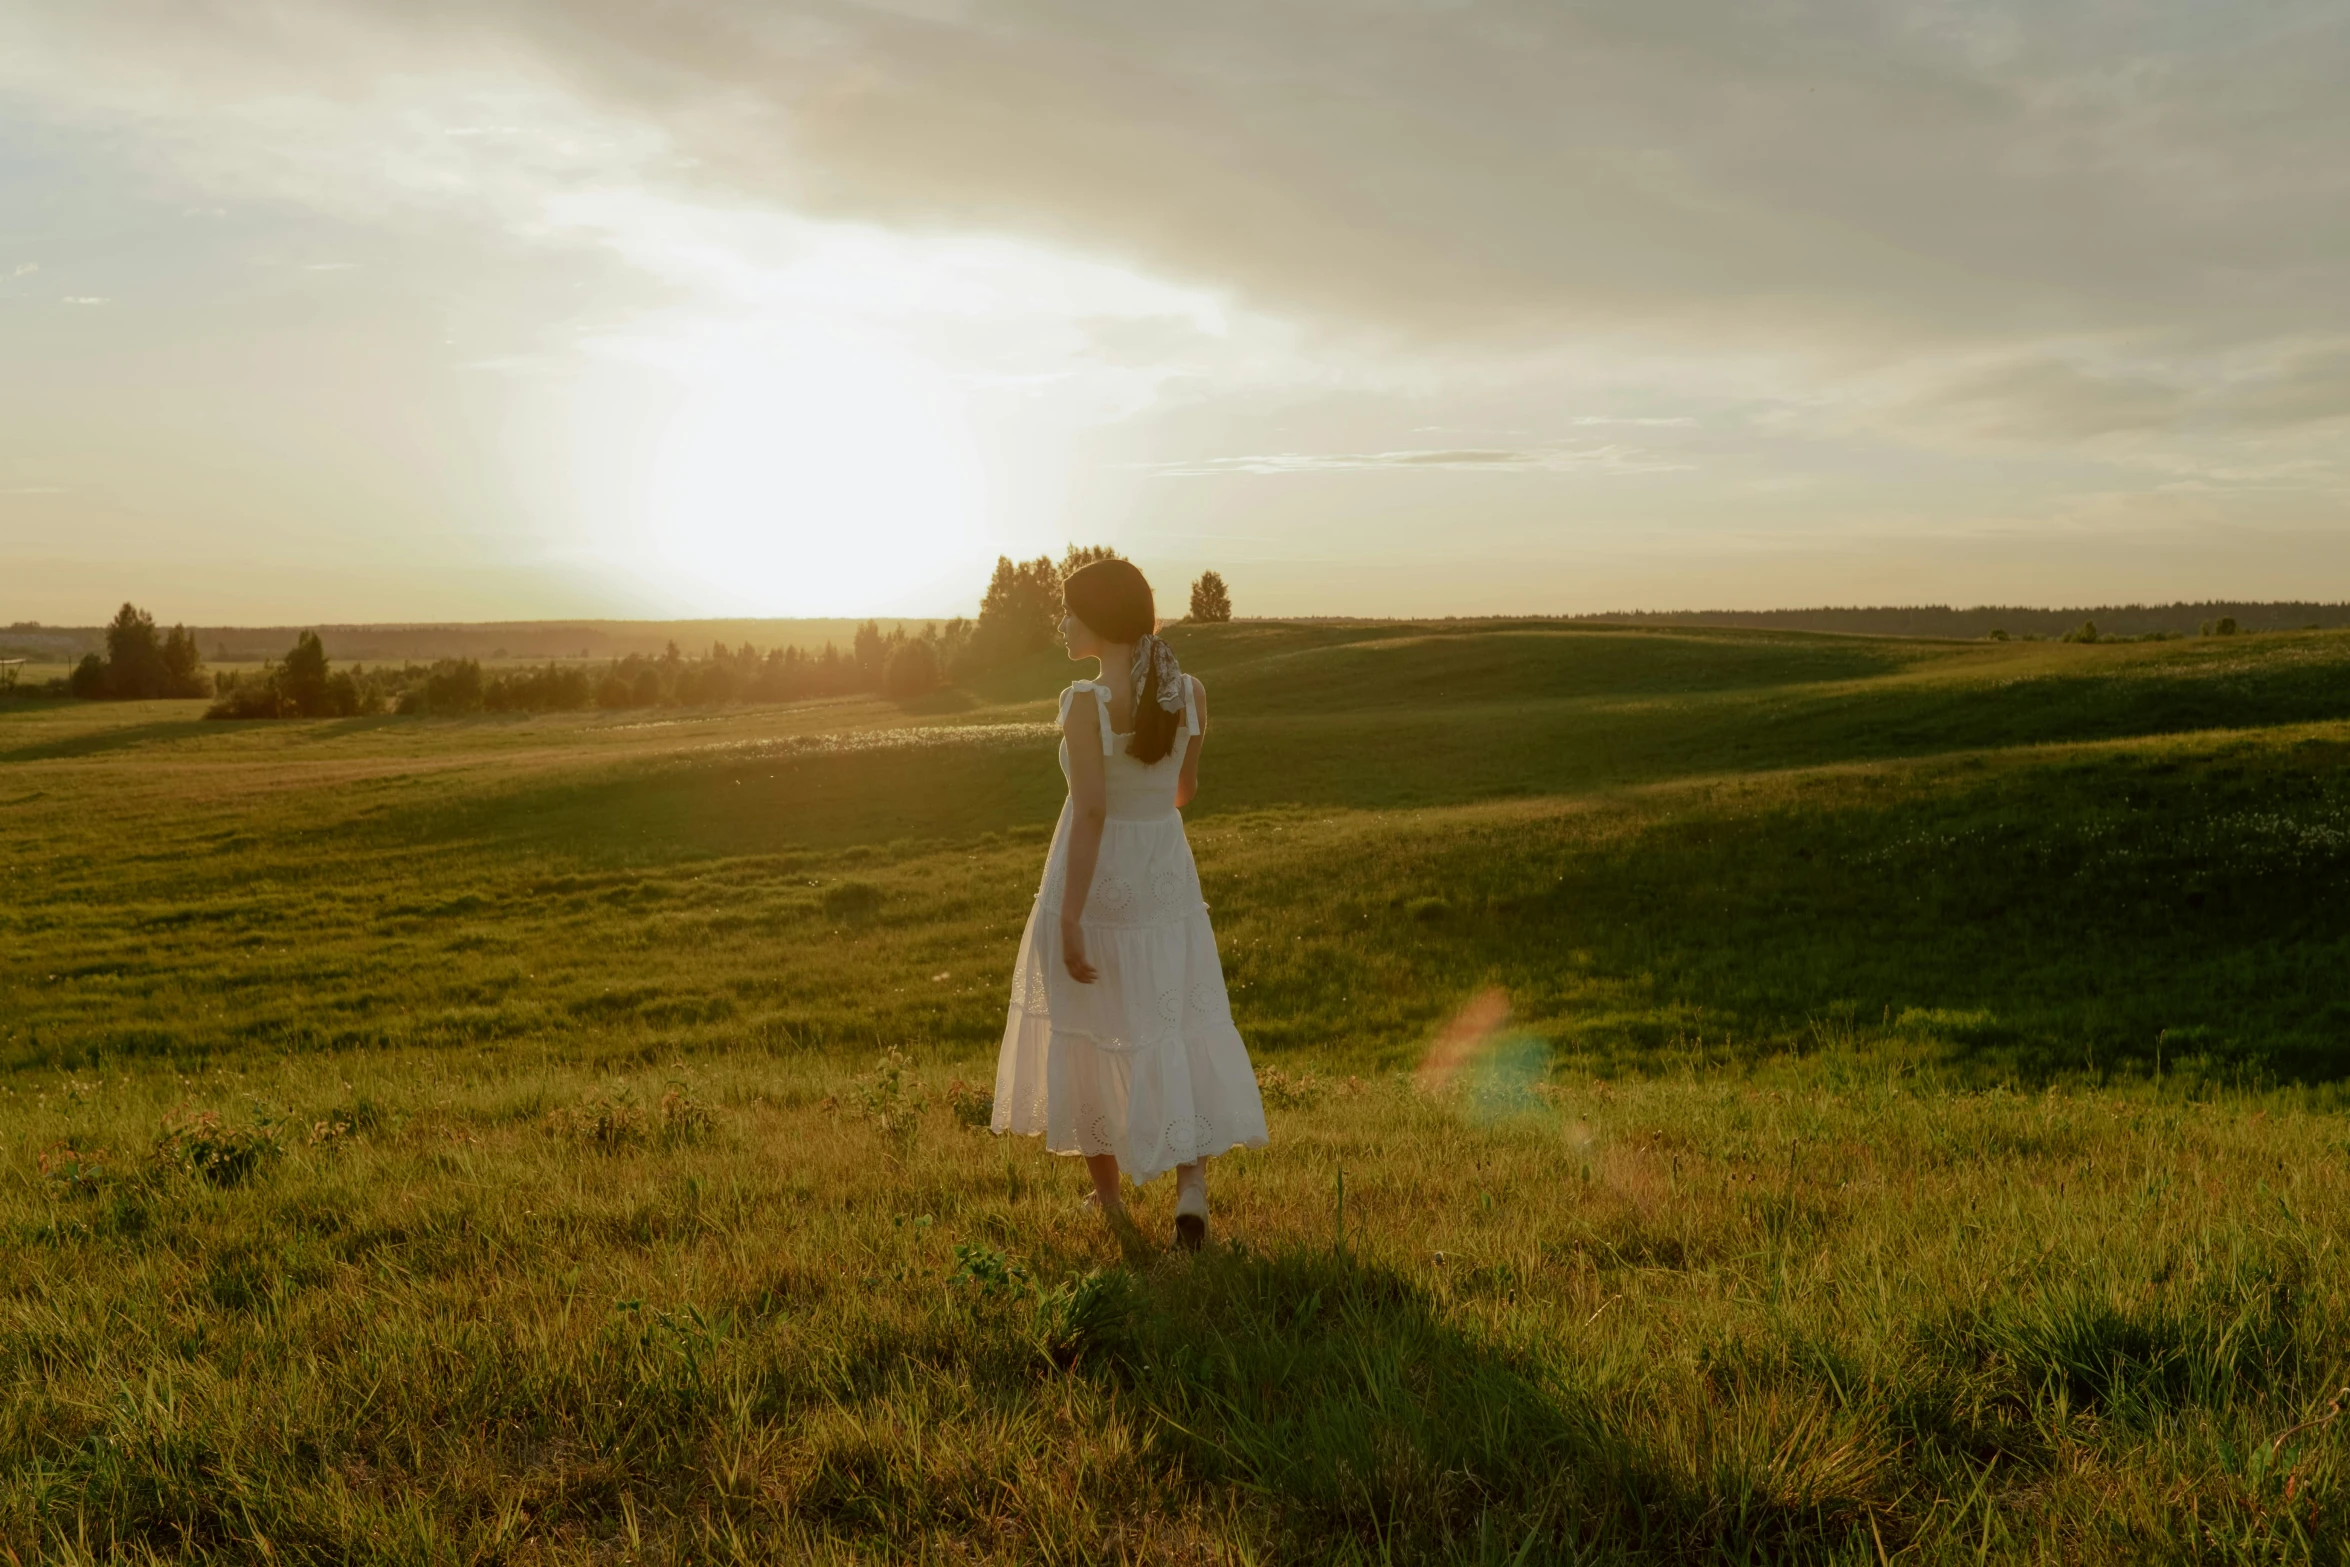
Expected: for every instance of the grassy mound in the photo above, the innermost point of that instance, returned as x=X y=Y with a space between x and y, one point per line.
x=1915 y=1127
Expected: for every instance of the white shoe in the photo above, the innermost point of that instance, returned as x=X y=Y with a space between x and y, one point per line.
x=1191 y=1216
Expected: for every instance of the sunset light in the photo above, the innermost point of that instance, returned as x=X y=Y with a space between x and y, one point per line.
x=809 y=469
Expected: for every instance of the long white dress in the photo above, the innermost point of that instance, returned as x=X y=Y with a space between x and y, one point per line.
x=1144 y=1062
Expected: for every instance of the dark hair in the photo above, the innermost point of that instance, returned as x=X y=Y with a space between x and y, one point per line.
x=1114 y=600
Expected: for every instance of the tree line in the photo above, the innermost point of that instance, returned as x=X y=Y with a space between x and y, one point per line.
x=1019 y=617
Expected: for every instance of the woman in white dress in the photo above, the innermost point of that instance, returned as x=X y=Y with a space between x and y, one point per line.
x=1119 y=1044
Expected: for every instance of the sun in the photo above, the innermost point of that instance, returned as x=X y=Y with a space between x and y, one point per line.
x=814 y=470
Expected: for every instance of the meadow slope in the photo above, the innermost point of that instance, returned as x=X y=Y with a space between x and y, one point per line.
x=1908 y=1124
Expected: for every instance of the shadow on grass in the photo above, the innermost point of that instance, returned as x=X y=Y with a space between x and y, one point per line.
x=99 y=742
x=1338 y=1394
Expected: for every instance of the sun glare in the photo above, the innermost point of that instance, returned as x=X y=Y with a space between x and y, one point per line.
x=812 y=470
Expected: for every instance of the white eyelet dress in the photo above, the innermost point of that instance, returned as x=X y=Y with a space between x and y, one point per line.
x=1144 y=1062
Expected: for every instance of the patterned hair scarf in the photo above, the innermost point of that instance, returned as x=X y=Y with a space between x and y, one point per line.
x=1152 y=656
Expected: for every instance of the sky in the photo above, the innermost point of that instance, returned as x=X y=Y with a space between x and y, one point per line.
x=508 y=309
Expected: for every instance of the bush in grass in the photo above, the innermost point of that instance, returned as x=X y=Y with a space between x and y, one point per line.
x=971 y=1104
x=852 y=900
x=204 y=1144
x=68 y=1171
x=615 y=1120
x=891 y=1097
x=1087 y=1319
x=683 y=1118
x=1290 y=1090
x=600 y=1121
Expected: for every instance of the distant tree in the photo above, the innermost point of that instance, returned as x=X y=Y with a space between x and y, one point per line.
x=2225 y=626
x=2086 y=631
x=1210 y=603
x=134 y=655
x=455 y=686
x=302 y=677
x=870 y=649
x=1077 y=555
x=913 y=670
x=1020 y=614
x=183 y=664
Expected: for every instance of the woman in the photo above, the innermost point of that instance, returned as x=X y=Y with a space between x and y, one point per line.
x=1119 y=1043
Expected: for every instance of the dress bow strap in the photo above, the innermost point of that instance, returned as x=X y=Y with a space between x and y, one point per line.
x=1101 y=710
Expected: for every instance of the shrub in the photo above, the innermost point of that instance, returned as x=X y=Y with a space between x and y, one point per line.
x=1087 y=1318
x=606 y=1122
x=891 y=1097
x=684 y=1119
x=2086 y=631
x=2225 y=626
x=88 y=679
x=852 y=900
x=1285 y=1090
x=68 y=1171
x=205 y=1145
x=971 y=1104
x=614 y=1121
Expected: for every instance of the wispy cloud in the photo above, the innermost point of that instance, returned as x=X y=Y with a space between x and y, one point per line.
x=83 y=299
x=1676 y=422
x=1551 y=459
x=26 y=268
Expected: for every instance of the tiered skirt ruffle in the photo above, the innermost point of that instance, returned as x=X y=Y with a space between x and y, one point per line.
x=1144 y=1063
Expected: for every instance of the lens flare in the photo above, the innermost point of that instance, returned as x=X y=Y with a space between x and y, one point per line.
x=1497 y=1071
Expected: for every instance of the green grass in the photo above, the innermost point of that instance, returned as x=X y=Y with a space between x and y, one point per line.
x=1917 y=1133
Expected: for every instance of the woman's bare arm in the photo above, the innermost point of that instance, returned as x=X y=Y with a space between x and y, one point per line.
x=1187 y=782
x=1088 y=809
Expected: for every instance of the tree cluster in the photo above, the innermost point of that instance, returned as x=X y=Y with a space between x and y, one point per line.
x=300 y=685
x=140 y=664
x=1019 y=617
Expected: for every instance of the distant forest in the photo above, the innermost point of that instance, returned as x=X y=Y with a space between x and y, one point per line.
x=516 y=640
x=499 y=641
x=1940 y=620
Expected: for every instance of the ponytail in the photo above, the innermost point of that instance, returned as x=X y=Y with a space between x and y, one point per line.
x=1154 y=725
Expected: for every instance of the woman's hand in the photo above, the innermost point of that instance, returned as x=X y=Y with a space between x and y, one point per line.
x=1073 y=951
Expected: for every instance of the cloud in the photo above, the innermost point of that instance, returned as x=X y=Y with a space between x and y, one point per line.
x=1550 y=459
x=1850 y=167
x=1845 y=260
x=25 y=269
x=2050 y=401
x=84 y=299
x=1854 y=170
x=2308 y=387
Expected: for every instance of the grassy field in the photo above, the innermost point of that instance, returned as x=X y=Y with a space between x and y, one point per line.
x=1903 y=1120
